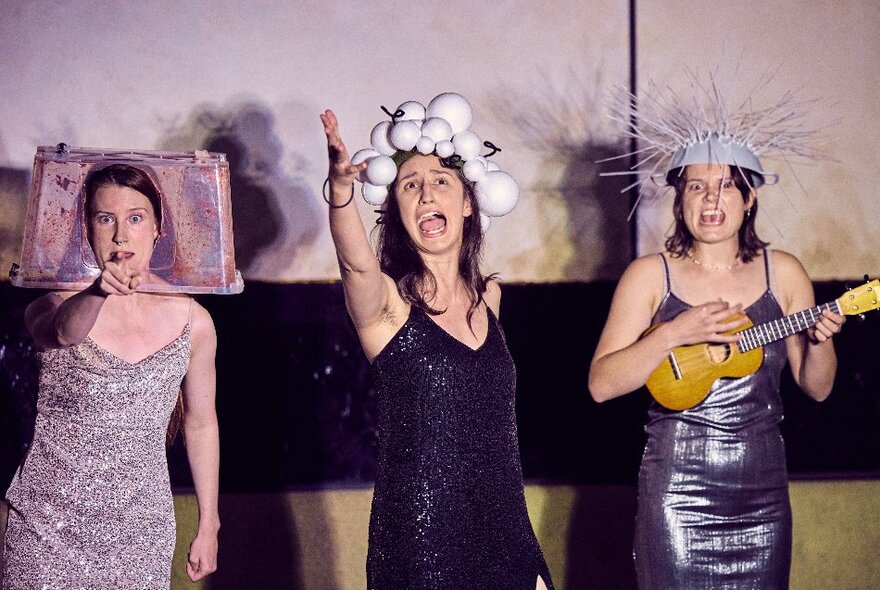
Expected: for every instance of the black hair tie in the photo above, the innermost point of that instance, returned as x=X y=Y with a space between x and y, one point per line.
x=495 y=149
x=327 y=199
x=395 y=115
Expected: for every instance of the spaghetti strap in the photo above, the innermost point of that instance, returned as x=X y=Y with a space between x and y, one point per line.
x=666 y=271
x=189 y=318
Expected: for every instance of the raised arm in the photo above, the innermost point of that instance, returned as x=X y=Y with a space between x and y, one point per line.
x=811 y=353
x=366 y=288
x=202 y=442
x=60 y=320
x=624 y=359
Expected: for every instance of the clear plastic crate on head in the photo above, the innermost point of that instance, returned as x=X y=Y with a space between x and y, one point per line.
x=189 y=195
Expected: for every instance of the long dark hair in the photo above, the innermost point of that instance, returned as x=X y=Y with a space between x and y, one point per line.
x=681 y=240
x=399 y=257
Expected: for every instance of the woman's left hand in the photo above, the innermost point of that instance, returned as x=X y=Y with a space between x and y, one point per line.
x=828 y=325
x=202 y=558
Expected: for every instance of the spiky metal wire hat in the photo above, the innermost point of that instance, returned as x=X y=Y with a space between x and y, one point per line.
x=704 y=129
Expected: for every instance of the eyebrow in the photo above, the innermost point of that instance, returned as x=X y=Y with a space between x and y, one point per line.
x=434 y=170
x=132 y=210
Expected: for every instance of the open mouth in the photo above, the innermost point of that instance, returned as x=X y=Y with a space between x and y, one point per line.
x=432 y=223
x=121 y=255
x=712 y=217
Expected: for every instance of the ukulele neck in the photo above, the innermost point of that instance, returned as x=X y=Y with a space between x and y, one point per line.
x=780 y=328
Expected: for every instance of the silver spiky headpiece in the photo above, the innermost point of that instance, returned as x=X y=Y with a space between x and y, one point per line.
x=674 y=132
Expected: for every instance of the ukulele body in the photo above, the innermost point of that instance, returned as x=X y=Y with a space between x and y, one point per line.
x=686 y=376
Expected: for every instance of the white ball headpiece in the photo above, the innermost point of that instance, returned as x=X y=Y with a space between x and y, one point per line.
x=443 y=128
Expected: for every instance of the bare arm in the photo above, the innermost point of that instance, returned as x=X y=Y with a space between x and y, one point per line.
x=62 y=320
x=202 y=442
x=811 y=353
x=366 y=288
x=624 y=360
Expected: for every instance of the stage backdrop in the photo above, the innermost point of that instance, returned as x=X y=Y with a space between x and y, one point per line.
x=250 y=78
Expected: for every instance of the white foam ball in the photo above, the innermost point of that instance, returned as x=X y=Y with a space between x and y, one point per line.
x=362 y=156
x=474 y=170
x=467 y=144
x=379 y=139
x=412 y=111
x=452 y=107
x=404 y=135
x=444 y=148
x=497 y=193
x=425 y=145
x=381 y=170
x=374 y=195
x=485 y=221
x=437 y=129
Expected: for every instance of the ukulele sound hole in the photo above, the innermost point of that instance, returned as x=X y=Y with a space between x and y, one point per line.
x=718 y=353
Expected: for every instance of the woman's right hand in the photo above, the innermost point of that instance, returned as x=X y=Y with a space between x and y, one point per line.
x=342 y=172
x=709 y=322
x=117 y=278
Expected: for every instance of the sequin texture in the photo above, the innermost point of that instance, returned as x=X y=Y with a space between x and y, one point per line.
x=448 y=508
x=713 y=508
x=91 y=505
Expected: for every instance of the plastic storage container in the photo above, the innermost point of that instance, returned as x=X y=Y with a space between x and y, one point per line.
x=193 y=254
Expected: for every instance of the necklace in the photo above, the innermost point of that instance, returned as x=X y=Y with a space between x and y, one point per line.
x=730 y=266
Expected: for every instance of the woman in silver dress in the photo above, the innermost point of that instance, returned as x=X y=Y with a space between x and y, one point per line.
x=713 y=508
x=91 y=505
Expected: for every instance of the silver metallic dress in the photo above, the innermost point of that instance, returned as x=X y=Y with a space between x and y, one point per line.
x=91 y=505
x=448 y=507
x=713 y=509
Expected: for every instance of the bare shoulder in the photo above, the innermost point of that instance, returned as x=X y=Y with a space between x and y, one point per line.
x=792 y=284
x=788 y=270
x=785 y=263
x=202 y=324
x=646 y=273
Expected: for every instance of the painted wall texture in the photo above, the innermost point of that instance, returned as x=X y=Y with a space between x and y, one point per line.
x=249 y=78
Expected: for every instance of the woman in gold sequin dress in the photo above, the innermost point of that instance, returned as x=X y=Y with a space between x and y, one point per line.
x=91 y=505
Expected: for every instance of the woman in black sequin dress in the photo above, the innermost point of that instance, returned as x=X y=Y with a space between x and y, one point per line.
x=448 y=507
x=713 y=509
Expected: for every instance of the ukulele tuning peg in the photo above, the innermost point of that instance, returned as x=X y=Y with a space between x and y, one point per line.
x=867 y=279
x=861 y=317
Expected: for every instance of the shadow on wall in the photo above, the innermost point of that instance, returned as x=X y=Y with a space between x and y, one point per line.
x=597 y=212
x=259 y=547
x=274 y=215
x=562 y=125
x=14 y=183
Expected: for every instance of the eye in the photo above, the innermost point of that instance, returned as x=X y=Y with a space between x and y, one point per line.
x=442 y=180
x=136 y=218
x=104 y=219
x=410 y=185
x=695 y=186
x=727 y=183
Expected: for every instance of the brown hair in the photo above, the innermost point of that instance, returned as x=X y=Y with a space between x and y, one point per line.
x=125 y=176
x=399 y=257
x=681 y=240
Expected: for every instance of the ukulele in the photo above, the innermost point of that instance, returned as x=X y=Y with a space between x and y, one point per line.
x=685 y=377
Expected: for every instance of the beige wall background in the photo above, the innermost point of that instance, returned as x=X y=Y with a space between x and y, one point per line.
x=318 y=540
x=825 y=213
x=164 y=75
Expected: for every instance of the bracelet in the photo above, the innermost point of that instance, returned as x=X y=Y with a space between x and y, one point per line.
x=327 y=199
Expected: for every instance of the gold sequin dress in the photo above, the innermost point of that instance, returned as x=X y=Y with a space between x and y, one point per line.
x=91 y=506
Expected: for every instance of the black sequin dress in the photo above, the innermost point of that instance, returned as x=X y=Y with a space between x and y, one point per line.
x=448 y=508
x=713 y=509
